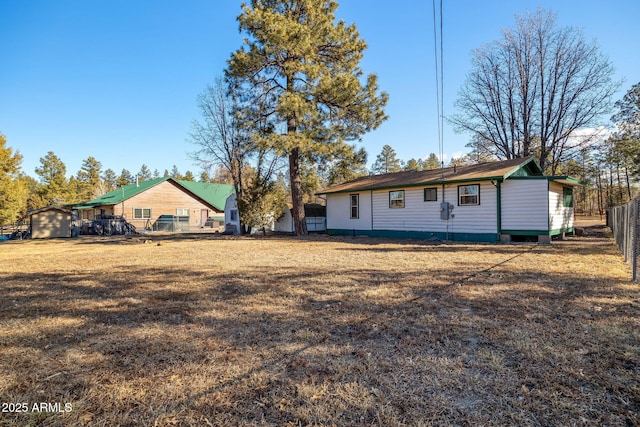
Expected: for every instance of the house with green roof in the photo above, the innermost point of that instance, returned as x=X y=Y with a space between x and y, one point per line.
x=510 y=200
x=198 y=204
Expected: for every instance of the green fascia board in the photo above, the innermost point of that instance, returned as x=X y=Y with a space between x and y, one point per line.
x=522 y=170
x=514 y=174
x=422 y=184
x=568 y=180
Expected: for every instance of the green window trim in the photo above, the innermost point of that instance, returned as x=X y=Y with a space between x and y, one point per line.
x=567 y=197
x=396 y=199
x=431 y=194
x=355 y=206
x=469 y=195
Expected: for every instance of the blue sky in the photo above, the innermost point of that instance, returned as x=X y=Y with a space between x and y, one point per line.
x=118 y=80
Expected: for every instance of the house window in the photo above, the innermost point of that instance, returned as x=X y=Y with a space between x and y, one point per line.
x=469 y=194
x=355 y=206
x=396 y=199
x=233 y=214
x=430 y=194
x=567 y=197
x=182 y=212
x=141 y=213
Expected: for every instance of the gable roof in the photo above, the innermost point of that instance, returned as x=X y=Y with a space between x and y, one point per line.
x=500 y=170
x=213 y=194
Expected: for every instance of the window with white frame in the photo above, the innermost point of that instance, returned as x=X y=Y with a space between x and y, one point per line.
x=468 y=195
x=355 y=206
x=182 y=212
x=396 y=199
x=431 y=194
x=141 y=213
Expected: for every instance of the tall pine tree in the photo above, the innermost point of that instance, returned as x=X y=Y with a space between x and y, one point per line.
x=305 y=65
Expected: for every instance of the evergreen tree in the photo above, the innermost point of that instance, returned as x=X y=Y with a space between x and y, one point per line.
x=350 y=165
x=188 y=176
x=125 y=178
x=109 y=180
x=304 y=65
x=413 y=165
x=431 y=162
x=386 y=162
x=175 y=173
x=88 y=182
x=54 y=188
x=144 y=174
x=204 y=177
x=155 y=174
x=13 y=191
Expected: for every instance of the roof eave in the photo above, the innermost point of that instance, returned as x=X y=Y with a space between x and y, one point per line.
x=419 y=184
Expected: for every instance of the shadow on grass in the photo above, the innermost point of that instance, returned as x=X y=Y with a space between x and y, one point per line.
x=273 y=346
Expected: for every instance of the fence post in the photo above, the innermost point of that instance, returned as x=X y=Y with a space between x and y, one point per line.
x=635 y=238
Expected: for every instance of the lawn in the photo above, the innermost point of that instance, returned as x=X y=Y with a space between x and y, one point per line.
x=317 y=331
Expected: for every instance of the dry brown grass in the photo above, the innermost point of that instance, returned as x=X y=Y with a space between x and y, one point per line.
x=318 y=331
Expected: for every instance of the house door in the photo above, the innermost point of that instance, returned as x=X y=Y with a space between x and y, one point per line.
x=204 y=216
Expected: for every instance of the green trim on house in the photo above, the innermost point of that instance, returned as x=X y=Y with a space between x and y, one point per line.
x=561 y=230
x=538 y=232
x=421 y=235
x=499 y=206
x=526 y=232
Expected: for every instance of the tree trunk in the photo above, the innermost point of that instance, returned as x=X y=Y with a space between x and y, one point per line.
x=299 y=222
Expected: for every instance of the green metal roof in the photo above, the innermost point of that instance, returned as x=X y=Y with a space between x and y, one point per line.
x=214 y=194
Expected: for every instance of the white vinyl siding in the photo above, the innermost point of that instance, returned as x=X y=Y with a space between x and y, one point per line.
x=560 y=216
x=339 y=211
x=525 y=205
x=420 y=216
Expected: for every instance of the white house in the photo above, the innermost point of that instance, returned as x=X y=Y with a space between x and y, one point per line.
x=503 y=201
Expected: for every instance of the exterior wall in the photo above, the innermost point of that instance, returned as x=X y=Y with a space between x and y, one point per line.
x=417 y=218
x=50 y=224
x=418 y=215
x=285 y=223
x=560 y=217
x=163 y=199
x=525 y=206
x=339 y=211
x=232 y=214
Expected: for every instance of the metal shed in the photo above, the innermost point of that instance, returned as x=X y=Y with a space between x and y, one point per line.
x=50 y=222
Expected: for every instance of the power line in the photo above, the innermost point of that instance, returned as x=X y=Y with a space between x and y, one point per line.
x=439 y=66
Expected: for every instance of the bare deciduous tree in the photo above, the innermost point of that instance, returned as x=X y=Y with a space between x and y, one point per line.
x=229 y=137
x=528 y=92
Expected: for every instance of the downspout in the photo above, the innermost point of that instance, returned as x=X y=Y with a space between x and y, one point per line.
x=371 y=203
x=498 y=185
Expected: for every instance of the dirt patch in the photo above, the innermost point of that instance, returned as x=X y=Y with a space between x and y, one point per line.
x=318 y=331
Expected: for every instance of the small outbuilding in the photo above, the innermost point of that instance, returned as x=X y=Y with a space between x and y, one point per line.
x=315 y=217
x=51 y=222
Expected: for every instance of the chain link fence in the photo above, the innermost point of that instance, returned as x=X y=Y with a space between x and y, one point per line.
x=624 y=222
